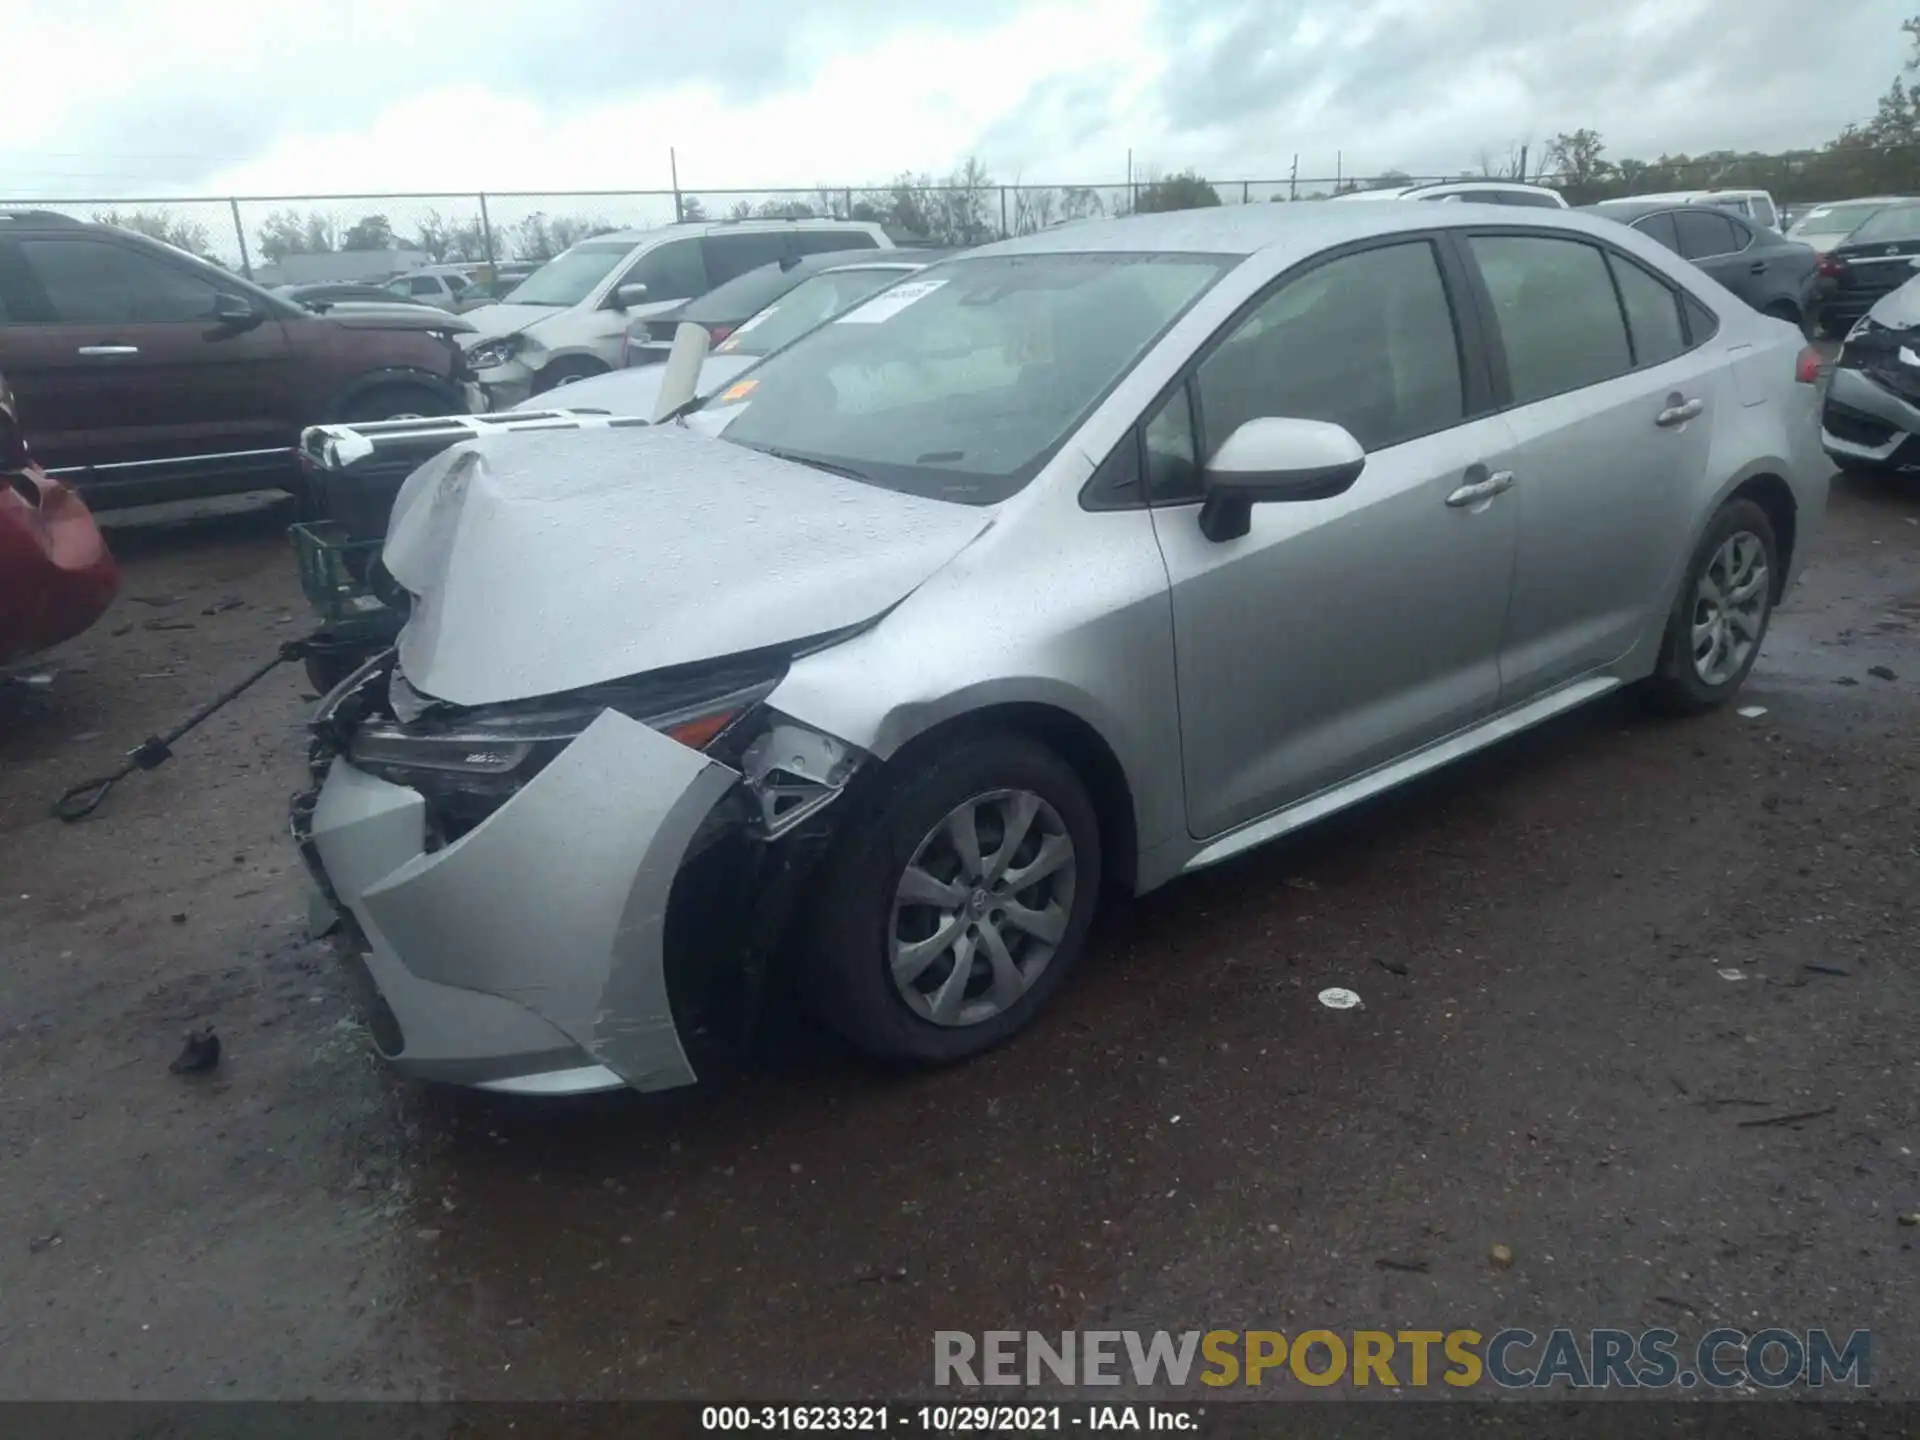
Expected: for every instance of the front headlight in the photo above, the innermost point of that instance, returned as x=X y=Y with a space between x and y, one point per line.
x=491 y=354
x=468 y=763
x=1861 y=326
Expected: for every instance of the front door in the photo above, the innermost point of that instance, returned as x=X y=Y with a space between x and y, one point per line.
x=130 y=364
x=1337 y=634
x=1613 y=406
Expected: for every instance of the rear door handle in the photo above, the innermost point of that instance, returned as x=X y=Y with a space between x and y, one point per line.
x=109 y=350
x=1759 y=267
x=1679 y=414
x=1479 y=490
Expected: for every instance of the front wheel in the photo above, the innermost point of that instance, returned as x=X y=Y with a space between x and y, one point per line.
x=1720 y=617
x=397 y=402
x=954 y=907
x=565 y=372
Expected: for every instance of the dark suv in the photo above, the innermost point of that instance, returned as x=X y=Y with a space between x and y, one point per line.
x=146 y=374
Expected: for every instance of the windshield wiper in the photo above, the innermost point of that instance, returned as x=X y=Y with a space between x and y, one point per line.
x=846 y=472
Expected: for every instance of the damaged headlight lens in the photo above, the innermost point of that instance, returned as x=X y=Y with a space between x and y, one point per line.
x=468 y=762
x=491 y=354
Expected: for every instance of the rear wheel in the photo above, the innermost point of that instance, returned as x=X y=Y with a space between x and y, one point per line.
x=953 y=909
x=565 y=372
x=1720 y=617
x=397 y=402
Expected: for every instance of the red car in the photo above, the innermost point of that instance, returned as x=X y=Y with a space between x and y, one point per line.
x=56 y=575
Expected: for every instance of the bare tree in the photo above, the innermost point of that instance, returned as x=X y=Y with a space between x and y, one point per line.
x=159 y=225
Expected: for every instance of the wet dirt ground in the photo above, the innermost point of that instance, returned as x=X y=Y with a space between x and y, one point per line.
x=1598 y=967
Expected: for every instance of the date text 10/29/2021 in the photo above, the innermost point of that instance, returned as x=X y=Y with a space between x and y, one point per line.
x=950 y=1419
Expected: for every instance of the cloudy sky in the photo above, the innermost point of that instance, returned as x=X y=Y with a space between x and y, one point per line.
x=109 y=98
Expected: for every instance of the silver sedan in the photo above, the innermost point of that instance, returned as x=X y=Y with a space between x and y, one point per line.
x=1065 y=567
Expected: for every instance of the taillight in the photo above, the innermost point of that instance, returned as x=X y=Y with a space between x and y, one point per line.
x=1829 y=265
x=1808 y=367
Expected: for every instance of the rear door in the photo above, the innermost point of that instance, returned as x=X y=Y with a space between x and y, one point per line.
x=133 y=368
x=1718 y=243
x=1612 y=403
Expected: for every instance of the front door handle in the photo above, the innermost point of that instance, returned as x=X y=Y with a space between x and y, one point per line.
x=109 y=349
x=1680 y=413
x=1759 y=267
x=1479 y=490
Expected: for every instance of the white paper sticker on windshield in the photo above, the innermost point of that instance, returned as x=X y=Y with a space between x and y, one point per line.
x=889 y=303
x=748 y=325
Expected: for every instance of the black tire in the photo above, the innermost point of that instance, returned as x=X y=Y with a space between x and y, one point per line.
x=1676 y=686
x=327 y=668
x=847 y=932
x=396 y=402
x=565 y=372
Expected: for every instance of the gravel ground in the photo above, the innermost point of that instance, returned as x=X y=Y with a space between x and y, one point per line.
x=1589 y=961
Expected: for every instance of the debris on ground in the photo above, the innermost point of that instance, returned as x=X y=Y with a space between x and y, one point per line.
x=1881 y=672
x=1297 y=882
x=44 y=678
x=1731 y=974
x=1910 y=1219
x=199 y=1055
x=1825 y=969
x=220 y=607
x=1788 y=1119
x=1751 y=712
x=1392 y=967
x=47 y=1241
x=1392 y=1262
x=169 y=625
x=1500 y=1256
x=1336 y=998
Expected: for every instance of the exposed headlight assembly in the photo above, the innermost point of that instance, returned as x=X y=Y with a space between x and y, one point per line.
x=491 y=354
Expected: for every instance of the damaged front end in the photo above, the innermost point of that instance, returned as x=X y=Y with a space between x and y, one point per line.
x=1871 y=415
x=568 y=893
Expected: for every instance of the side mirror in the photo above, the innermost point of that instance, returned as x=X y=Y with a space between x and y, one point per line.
x=627 y=296
x=236 y=311
x=1275 y=461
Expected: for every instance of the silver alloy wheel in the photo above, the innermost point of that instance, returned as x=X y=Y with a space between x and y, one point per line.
x=1730 y=607
x=981 y=907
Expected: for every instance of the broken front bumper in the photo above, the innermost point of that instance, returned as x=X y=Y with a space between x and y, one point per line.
x=1864 y=421
x=529 y=954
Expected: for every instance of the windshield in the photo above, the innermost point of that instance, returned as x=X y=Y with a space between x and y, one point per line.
x=962 y=381
x=570 y=276
x=1891 y=225
x=810 y=303
x=1834 y=219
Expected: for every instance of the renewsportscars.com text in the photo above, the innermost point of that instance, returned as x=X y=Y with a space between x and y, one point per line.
x=1512 y=1359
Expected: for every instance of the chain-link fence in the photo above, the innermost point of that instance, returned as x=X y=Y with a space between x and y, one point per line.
x=341 y=237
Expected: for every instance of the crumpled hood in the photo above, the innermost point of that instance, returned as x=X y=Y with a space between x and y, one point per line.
x=633 y=390
x=1898 y=309
x=542 y=562
x=490 y=322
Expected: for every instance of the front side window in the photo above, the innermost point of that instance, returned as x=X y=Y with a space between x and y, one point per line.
x=670 y=272
x=1704 y=234
x=1557 y=313
x=731 y=255
x=963 y=381
x=1653 y=313
x=812 y=302
x=94 y=282
x=570 y=276
x=1365 y=341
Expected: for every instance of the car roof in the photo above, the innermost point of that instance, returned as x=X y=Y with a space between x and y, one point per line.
x=1639 y=206
x=723 y=227
x=1682 y=196
x=1415 y=191
x=1248 y=229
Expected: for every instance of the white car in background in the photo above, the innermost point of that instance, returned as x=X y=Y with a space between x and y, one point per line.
x=814 y=301
x=1469 y=192
x=564 y=322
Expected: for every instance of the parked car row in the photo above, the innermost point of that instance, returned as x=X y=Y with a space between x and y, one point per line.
x=986 y=596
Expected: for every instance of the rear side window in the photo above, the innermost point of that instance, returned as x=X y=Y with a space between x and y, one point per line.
x=1704 y=234
x=1365 y=341
x=728 y=256
x=95 y=282
x=1653 y=313
x=816 y=242
x=1556 y=309
x=1527 y=197
x=1660 y=228
x=672 y=271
